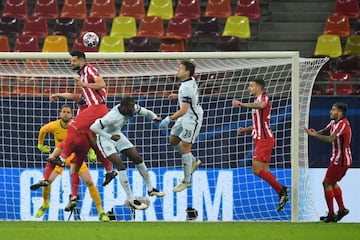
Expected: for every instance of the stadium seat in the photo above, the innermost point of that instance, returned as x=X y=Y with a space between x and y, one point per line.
x=25 y=43
x=161 y=8
x=123 y=26
x=79 y=45
x=188 y=9
x=9 y=26
x=337 y=25
x=132 y=8
x=35 y=27
x=248 y=8
x=151 y=26
x=24 y=90
x=349 y=64
x=340 y=89
x=74 y=9
x=238 y=26
x=179 y=27
x=172 y=45
x=352 y=46
x=47 y=9
x=112 y=44
x=95 y=24
x=103 y=9
x=218 y=8
x=328 y=45
x=139 y=44
x=67 y=27
x=207 y=27
x=228 y=43
x=55 y=43
x=15 y=8
x=348 y=8
x=4 y=44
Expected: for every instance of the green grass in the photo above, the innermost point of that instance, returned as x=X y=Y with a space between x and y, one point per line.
x=177 y=230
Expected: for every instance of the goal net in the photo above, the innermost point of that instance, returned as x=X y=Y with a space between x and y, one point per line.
x=223 y=188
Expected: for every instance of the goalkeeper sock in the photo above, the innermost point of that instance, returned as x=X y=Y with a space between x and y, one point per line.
x=46 y=194
x=270 y=178
x=329 y=197
x=141 y=167
x=187 y=162
x=94 y=193
x=338 y=197
x=124 y=181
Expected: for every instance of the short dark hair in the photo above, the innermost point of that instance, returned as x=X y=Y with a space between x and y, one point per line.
x=78 y=54
x=341 y=106
x=126 y=101
x=189 y=66
x=66 y=106
x=259 y=82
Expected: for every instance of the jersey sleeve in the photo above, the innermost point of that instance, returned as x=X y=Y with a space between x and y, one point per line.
x=43 y=131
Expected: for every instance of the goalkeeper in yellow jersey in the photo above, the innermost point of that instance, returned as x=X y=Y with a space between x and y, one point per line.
x=59 y=129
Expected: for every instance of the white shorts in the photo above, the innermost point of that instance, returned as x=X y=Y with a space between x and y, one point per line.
x=186 y=129
x=109 y=147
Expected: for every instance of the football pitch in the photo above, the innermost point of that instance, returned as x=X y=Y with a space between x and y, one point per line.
x=14 y=230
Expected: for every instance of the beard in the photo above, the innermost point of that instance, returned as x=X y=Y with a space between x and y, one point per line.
x=76 y=68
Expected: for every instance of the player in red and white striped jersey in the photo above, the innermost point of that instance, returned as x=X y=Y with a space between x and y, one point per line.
x=264 y=140
x=338 y=133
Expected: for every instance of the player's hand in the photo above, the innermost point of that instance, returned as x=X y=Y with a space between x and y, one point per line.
x=53 y=98
x=115 y=137
x=157 y=119
x=165 y=122
x=92 y=155
x=241 y=131
x=44 y=149
x=311 y=132
x=236 y=103
x=173 y=96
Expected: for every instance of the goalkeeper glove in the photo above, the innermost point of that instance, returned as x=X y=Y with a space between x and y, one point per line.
x=165 y=122
x=43 y=149
x=92 y=155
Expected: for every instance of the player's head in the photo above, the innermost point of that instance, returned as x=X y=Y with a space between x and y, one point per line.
x=185 y=70
x=77 y=59
x=338 y=111
x=127 y=106
x=256 y=87
x=66 y=113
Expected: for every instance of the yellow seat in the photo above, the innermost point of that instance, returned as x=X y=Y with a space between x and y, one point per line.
x=352 y=46
x=237 y=26
x=112 y=44
x=328 y=45
x=123 y=26
x=55 y=43
x=161 y=8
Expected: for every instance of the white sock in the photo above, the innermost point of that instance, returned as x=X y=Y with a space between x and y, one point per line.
x=178 y=149
x=187 y=162
x=141 y=167
x=124 y=181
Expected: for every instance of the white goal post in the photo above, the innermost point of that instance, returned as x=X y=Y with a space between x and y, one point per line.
x=224 y=189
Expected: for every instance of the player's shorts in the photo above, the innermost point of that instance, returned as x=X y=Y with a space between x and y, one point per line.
x=263 y=149
x=109 y=147
x=88 y=116
x=186 y=129
x=335 y=173
x=83 y=167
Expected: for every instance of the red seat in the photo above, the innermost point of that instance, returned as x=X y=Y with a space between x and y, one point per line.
x=340 y=89
x=9 y=26
x=151 y=26
x=103 y=9
x=179 y=27
x=66 y=26
x=47 y=9
x=248 y=8
x=207 y=27
x=348 y=8
x=74 y=9
x=26 y=44
x=172 y=45
x=139 y=44
x=79 y=45
x=35 y=27
x=228 y=43
x=349 y=64
x=16 y=8
x=95 y=24
x=4 y=44
x=337 y=25
x=24 y=90
x=188 y=9
x=132 y=8
x=218 y=8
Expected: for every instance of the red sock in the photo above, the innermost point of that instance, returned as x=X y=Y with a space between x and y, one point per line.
x=270 y=178
x=338 y=197
x=105 y=162
x=48 y=170
x=329 y=197
x=75 y=180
